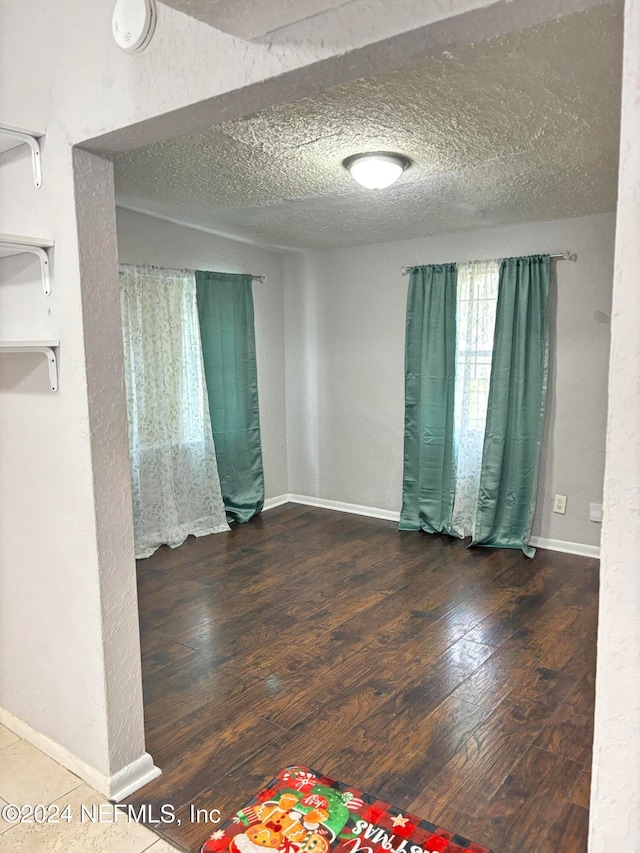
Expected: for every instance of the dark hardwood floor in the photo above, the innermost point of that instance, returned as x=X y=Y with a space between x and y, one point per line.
x=455 y=683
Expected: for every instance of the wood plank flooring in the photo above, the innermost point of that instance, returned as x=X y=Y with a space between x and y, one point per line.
x=455 y=683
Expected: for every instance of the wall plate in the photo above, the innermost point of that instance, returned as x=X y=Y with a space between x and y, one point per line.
x=595 y=513
x=133 y=24
x=560 y=504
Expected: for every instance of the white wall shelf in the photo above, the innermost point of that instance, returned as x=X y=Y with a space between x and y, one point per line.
x=11 y=244
x=47 y=348
x=11 y=137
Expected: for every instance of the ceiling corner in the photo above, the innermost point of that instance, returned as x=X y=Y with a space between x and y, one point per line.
x=252 y=19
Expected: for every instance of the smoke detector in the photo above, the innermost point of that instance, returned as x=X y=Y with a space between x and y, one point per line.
x=133 y=24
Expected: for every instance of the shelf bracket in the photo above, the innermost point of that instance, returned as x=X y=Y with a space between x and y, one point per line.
x=22 y=138
x=48 y=351
x=41 y=254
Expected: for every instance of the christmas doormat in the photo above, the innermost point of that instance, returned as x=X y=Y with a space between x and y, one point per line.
x=302 y=811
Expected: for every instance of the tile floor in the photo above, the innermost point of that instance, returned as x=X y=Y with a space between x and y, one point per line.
x=28 y=776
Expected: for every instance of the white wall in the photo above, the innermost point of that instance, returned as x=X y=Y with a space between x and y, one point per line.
x=68 y=615
x=66 y=578
x=615 y=790
x=69 y=643
x=345 y=340
x=148 y=240
x=65 y=68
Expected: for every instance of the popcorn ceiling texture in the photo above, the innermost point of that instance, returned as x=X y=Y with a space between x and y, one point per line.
x=67 y=669
x=520 y=128
x=66 y=552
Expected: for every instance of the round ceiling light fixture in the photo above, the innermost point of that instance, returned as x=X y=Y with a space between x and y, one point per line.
x=376 y=170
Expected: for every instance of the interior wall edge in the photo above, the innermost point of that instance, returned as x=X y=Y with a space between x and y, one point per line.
x=345 y=384
x=145 y=239
x=117 y=786
x=278 y=500
x=578 y=548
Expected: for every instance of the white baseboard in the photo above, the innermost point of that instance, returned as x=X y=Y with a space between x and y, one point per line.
x=339 y=506
x=115 y=787
x=279 y=500
x=135 y=775
x=566 y=547
x=391 y=515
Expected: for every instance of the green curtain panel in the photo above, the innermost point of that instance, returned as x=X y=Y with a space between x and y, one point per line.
x=428 y=482
x=515 y=414
x=225 y=309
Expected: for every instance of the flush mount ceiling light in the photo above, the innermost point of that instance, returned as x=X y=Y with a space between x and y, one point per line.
x=377 y=169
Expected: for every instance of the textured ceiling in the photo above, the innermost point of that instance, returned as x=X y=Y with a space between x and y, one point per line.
x=517 y=129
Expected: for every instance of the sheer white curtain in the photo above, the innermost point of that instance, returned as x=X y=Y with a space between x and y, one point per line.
x=176 y=489
x=476 y=318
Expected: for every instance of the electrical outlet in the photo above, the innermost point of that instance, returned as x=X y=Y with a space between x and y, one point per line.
x=560 y=504
x=595 y=513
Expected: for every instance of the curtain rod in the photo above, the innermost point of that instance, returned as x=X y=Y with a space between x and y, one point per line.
x=261 y=278
x=561 y=256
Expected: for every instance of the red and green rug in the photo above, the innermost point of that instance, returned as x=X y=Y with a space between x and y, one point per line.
x=302 y=811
